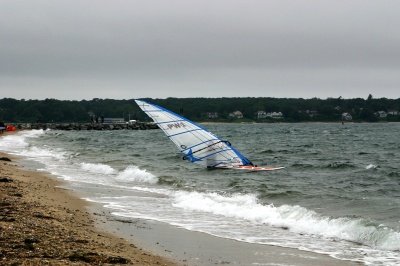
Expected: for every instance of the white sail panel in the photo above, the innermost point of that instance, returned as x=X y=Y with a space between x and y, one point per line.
x=197 y=144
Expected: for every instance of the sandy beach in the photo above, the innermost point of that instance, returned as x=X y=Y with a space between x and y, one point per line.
x=43 y=224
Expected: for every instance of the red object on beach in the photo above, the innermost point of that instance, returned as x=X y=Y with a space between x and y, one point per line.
x=10 y=128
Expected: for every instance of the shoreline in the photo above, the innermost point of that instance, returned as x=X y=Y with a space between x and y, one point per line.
x=202 y=249
x=43 y=223
x=92 y=235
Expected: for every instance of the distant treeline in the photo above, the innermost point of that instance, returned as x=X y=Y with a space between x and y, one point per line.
x=203 y=109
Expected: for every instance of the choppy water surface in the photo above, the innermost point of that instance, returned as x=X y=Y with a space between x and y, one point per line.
x=339 y=193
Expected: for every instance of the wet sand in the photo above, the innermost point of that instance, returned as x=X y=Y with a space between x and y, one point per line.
x=44 y=224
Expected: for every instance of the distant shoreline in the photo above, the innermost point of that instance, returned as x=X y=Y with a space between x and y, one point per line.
x=241 y=109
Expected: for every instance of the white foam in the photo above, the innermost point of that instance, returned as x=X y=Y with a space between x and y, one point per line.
x=243 y=218
x=134 y=174
x=15 y=142
x=19 y=144
x=10 y=143
x=296 y=218
x=371 y=166
x=35 y=152
x=98 y=168
x=34 y=133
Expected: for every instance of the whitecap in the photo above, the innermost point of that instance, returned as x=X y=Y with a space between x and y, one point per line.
x=134 y=174
x=98 y=168
x=36 y=152
x=16 y=142
x=295 y=218
x=371 y=166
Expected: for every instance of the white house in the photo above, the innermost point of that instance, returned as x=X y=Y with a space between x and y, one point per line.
x=236 y=114
x=347 y=117
x=393 y=112
x=261 y=115
x=380 y=114
x=275 y=115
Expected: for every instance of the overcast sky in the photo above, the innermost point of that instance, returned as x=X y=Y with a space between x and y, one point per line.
x=70 y=49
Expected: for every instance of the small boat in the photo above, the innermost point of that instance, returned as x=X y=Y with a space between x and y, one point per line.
x=197 y=144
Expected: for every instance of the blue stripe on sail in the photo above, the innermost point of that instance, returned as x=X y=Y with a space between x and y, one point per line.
x=188 y=131
x=198 y=144
x=172 y=121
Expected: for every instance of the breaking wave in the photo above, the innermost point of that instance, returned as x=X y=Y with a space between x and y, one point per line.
x=134 y=174
x=14 y=143
x=36 y=152
x=296 y=219
x=98 y=168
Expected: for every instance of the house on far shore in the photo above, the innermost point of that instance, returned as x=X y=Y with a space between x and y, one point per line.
x=393 y=112
x=275 y=115
x=236 y=114
x=261 y=115
x=212 y=115
x=347 y=117
x=380 y=114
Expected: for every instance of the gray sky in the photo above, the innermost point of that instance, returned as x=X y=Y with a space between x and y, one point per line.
x=70 y=49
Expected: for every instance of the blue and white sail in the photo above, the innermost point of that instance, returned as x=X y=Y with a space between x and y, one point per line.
x=197 y=144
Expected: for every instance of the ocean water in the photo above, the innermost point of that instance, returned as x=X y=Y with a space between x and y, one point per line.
x=339 y=193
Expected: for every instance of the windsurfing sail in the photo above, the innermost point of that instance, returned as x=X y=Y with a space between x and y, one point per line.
x=197 y=144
